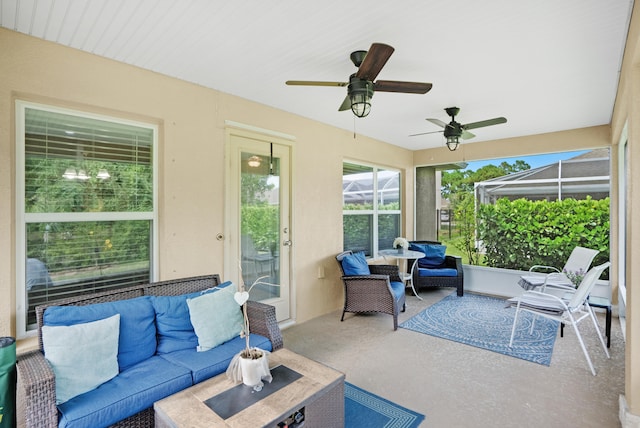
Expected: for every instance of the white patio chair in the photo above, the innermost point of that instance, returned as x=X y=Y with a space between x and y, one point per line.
x=578 y=263
x=570 y=311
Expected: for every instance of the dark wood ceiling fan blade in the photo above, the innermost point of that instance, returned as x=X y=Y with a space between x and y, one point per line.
x=376 y=58
x=482 y=123
x=314 y=83
x=346 y=104
x=466 y=135
x=437 y=122
x=425 y=133
x=405 y=87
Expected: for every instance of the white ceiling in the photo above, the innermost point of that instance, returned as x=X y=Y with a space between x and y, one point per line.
x=545 y=65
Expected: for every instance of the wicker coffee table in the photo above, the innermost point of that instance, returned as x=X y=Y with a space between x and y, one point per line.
x=306 y=388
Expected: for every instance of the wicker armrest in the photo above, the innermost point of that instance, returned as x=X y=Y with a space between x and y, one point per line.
x=390 y=270
x=262 y=321
x=453 y=262
x=36 y=390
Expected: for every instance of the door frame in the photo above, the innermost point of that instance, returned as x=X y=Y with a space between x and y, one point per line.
x=231 y=241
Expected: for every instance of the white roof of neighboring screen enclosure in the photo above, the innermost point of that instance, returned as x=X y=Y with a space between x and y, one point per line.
x=587 y=174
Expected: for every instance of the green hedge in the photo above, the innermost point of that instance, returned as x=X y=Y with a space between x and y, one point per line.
x=521 y=233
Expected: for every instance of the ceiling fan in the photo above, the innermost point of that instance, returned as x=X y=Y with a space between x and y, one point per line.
x=453 y=130
x=361 y=85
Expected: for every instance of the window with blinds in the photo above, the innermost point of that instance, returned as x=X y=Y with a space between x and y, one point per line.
x=87 y=204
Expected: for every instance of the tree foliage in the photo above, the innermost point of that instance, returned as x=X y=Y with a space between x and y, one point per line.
x=521 y=233
x=457 y=187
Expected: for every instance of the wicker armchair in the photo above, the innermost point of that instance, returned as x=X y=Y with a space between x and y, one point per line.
x=433 y=279
x=374 y=292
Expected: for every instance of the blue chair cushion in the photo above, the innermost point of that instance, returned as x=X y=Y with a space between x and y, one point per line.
x=398 y=289
x=355 y=264
x=437 y=272
x=137 y=340
x=434 y=254
x=175 y=331
x=204 y=365
x=132 y=391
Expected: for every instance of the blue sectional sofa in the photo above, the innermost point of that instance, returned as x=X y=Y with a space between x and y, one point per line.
x=154 y=355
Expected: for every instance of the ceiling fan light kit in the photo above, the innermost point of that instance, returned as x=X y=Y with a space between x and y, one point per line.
x=360 y=94
x=361 y=84
x=452 y=142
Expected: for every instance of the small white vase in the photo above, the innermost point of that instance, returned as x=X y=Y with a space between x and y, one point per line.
x=253 y=371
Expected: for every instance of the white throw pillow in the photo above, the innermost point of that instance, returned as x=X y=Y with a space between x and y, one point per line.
x=83 y=356
x=216 y=318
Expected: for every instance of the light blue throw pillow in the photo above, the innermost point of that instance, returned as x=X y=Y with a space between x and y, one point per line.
x=216 y=318
x=355 y=264
x=137 y=325
x=83 y=356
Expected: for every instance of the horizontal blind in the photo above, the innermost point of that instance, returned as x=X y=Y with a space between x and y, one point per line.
x=76 y=164
x=81 y=164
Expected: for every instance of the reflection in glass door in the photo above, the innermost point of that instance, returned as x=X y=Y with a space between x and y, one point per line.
x=260 y=223
x=257 y=225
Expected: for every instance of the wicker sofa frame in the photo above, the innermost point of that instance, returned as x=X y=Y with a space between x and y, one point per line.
x=36 y=382
x=371 y=293
x=452 y=262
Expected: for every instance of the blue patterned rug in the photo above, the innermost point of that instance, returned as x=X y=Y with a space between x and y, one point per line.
x=485 y=323
x=367 y=410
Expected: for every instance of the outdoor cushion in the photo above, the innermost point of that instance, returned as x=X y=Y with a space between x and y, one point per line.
x=175 y=331
x=132 y=391
x=204 y=365
x=397 y=288
x=437 y=272
x=83 y=356
x=434 y=254
x=355 y=264
x=137 y=340
x=216 y=318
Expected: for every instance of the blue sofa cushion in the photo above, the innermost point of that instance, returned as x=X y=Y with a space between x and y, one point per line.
x=132 y=391
x=437 y=272
x=137 y=340
x=355 y=264
x=204 y=365
x=397 y=288
x=175 y=331
x=434 y=254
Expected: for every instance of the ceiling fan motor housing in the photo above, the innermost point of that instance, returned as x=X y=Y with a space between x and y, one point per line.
x=358 y=85
x=453 y=129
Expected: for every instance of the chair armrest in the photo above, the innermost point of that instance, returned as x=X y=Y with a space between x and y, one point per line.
x=453 y=262
x=390 y=270
x=262 y=321
x=36 y=390
x=535 y=268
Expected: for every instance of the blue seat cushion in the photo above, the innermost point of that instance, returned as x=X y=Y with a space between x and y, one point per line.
x=132 y=391
x=437 y=272
x=175 y=331
x=434 y=254
x=398 y=289
x=204 y=365
x=355 y=264
x=137 y=340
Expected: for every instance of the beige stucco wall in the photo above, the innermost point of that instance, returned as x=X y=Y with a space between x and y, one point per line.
x=191 y=166
x=627 y=111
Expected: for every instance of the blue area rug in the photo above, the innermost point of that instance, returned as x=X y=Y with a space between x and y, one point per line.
x=485 y=323
x=367 y=410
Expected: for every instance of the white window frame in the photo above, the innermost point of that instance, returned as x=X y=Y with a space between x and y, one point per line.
x=23 y=218
x=375 y=212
